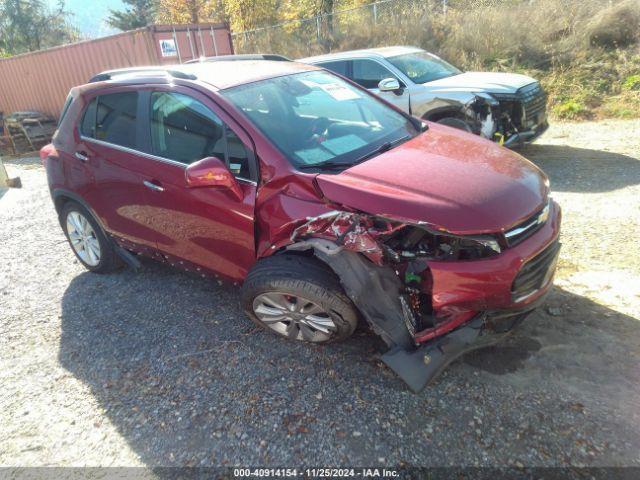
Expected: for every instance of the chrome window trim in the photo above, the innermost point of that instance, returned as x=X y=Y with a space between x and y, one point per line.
x=151 y=156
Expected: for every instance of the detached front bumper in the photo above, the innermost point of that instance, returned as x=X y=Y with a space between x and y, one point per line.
x=420 y=366
x=482 y=301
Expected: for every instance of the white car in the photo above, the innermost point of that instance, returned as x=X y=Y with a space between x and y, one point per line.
x=506 y=107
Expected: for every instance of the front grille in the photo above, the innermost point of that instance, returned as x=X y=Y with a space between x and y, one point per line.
x=533 y=100
x=536 y=273
x=527 y=228
x=525 y=106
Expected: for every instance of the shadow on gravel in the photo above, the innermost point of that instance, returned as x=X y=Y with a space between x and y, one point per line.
x=583 y=170
x=188 y=380
x=505 y=358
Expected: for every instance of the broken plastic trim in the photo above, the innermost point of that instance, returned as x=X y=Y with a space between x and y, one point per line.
x=373 y=288
x=483 y=112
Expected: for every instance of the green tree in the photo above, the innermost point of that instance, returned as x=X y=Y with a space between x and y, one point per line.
x=241 y=14
x=28 y=25
x=250 y=14
x=190 y=11
x=137 y=14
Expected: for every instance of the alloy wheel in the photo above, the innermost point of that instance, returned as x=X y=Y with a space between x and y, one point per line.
x=83 y=238
x=294 y=317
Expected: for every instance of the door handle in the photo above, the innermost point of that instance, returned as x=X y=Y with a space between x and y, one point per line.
x=153 y=186
x=82 y=156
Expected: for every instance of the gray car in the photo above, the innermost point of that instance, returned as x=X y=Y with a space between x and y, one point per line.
x=506 y=107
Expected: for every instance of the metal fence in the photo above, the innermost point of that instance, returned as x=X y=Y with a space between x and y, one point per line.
x=387 y=19
x=320 y=33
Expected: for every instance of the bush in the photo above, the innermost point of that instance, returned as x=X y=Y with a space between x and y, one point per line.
x=615 y=27
x=570 y=109
x=632 y=82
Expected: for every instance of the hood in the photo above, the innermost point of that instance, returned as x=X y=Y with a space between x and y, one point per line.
x=445 y=177
x=483 y=82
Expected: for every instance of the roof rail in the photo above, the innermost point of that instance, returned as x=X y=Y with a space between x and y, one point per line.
x=111 y=74
x=242 y=56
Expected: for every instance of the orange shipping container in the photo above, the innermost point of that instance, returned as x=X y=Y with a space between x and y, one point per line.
x=41 y=80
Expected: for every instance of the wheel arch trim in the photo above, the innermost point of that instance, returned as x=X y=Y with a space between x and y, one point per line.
x=60 y=193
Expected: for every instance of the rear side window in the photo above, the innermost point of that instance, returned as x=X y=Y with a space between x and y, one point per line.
x=339 y=67
x=116 y=118
x=112 y=118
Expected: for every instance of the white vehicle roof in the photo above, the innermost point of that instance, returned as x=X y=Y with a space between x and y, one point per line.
x=382 y=52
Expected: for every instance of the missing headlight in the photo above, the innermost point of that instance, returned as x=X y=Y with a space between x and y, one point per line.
x=417 y=242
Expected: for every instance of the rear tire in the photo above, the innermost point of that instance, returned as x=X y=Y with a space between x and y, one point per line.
x=455 y=123
x=299 y=298
x=87 y=240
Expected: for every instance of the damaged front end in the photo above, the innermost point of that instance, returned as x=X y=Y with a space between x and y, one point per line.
x=509 y=119
x=385 y=268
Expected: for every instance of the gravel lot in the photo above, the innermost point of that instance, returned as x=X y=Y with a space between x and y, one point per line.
x=161 y=368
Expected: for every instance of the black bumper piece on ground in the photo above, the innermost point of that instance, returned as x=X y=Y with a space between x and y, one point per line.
x=524 y=138
x=420 y=366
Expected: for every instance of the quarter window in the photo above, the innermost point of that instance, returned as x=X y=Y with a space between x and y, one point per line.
x=88 y=125
x=67 y=104
x=368 y=73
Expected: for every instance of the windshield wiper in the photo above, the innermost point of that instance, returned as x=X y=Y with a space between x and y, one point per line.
x=328 y=165
x=386 y=146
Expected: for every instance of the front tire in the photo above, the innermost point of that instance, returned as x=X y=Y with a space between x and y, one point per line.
x=89 y=244
x=298 y=298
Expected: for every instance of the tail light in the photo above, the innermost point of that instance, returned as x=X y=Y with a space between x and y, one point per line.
x=47 y=151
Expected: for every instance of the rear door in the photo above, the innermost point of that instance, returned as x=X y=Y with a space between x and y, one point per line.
x=198 y=228
x=107 y=150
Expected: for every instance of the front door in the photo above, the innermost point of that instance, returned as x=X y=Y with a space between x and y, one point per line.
x=369 y=73
x=200 y=229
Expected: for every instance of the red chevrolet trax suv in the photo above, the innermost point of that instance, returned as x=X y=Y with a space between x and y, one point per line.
x=326 y=203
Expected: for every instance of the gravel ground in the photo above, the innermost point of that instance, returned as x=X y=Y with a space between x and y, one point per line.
x=161 y=368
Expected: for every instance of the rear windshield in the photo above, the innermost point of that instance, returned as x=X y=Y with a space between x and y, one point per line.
x=316 y=117
x=423 y=67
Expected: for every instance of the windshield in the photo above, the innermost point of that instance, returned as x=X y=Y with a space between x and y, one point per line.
x=316 y=119
x=423 y=67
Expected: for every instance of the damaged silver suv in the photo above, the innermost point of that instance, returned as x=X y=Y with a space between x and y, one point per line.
x=506 y=107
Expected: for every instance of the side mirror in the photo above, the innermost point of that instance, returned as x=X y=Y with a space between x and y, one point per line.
x=212 y=172
x=389 y=85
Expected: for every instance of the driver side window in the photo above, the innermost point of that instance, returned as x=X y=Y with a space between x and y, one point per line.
x=185 y=130
x=368 y=73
